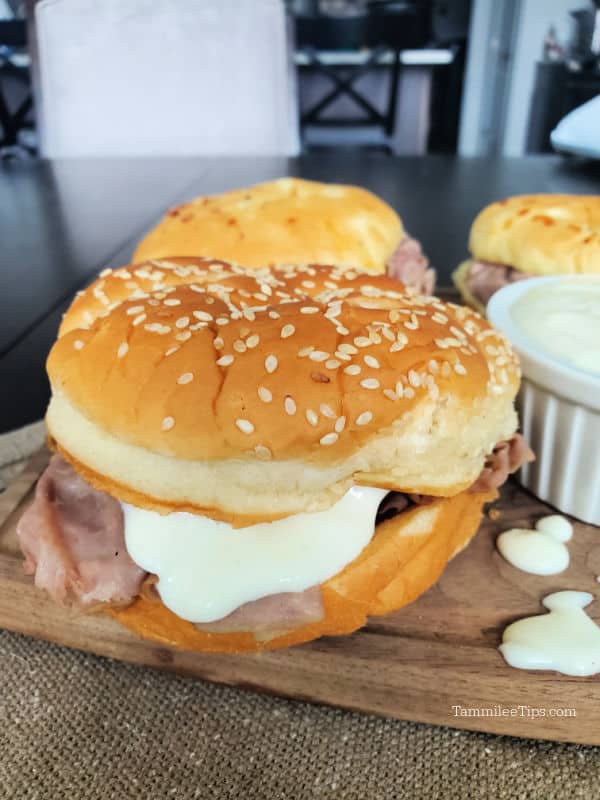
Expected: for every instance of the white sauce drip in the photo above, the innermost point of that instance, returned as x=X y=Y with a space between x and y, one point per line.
x=540 y=552
x=563 y=319
x=206 y=569
x=565 y=640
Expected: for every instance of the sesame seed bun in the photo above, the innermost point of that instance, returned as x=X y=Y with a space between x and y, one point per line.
x=405 y=557
x=542 y=234
x=251 y=395
x=287 y=221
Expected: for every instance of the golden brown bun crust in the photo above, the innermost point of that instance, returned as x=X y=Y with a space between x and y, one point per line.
x=405 y=557
x=184 y=373
x=541 y=234
x=459 y=278
x=287 y=221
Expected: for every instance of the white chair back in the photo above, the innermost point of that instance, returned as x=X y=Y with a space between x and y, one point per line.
x=165 y=77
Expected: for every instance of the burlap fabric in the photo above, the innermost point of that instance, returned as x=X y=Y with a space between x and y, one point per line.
x=76 y=726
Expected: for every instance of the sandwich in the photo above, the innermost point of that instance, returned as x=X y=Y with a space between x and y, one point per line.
x=250 y=459
x=526 y=236
x=292 y=221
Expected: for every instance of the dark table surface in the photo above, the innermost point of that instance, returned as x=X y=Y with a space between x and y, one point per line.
x=61 y=222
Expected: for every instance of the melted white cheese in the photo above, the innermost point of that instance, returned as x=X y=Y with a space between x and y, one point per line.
x=566 y=639
x=540 y=552
x=207 y=569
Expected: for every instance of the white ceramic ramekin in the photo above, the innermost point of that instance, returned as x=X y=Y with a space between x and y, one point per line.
x=559 y=408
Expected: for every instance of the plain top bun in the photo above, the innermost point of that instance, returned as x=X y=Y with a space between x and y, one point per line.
x=287 y=221
x=542 y=233
x=261 y=393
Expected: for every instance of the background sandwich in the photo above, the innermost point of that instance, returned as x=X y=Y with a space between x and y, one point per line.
x=527 y=236
x=257 y=458
x=292 y=221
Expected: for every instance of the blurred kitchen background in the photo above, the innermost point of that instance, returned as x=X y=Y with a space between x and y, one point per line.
x=169 y=77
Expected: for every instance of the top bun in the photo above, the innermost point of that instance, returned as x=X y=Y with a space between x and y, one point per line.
x=287 y=221
x=542 y=234
x=251 y=394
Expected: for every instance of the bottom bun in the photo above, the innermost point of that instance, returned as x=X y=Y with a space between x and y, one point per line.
x=405 y=557
x=460 y=279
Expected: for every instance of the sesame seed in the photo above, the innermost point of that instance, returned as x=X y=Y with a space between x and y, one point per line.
x=409 y=393
x=123 y=350
x=264 y=394
x=433 y=366
x=253 y=340
x=352 y=369
x=172 y=301
x=333 y=363
x=245 y=425
x=134 y=310
x=413 y=378
x=78 y=344
x=156 y=327
x=304 y=351
x=289 y=405
x=186 y=377
x=460 y=369
x=329 y=438
x=348 y=349
x=171 y=350
x=390 y=394
x=312 y=417
x=362 y=341
x=308 y=284
x=371 y=361
x=239 y=346
x=287 y=330
x=364 y=418
x=388 y=334
x=218 y=342
x=343 y=331
x=309 y=310
x=249 y=314
x=203 y=315
x=274 y=315
x=441 y=319
x=222 y=321
x=370 y=383
x=262 y=451
x=225 y=361
x=139 y=319
x=271 y=363
x=327 y=411
x=167 y=423
x=266 y=289
x=318 y=355
x=182 y=322
x=105 y=272
x=343 y=356
x=340 y=424
x=399 y=389
x=183 y=337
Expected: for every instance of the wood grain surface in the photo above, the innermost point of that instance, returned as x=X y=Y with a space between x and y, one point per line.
x=416 y=664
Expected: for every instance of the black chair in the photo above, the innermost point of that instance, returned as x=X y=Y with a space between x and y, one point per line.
x=385 y=30
x=13 y=38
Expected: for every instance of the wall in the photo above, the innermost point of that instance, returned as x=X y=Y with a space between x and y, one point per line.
x=535 y=17
x=505 y=42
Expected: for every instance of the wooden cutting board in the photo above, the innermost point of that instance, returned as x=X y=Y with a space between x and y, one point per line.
x=416 y=664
